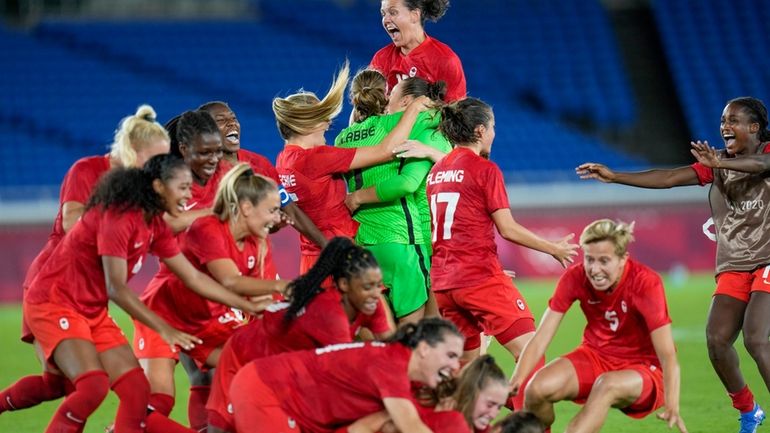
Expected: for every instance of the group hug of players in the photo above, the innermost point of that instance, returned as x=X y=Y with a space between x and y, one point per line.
x=397 y=225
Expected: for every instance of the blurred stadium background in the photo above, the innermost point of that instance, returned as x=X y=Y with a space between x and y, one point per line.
x=623 y=82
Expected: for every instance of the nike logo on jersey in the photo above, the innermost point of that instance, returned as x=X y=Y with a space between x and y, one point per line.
x=189 y=206
x=138 y=244
x=72 y=418
x=592 y=302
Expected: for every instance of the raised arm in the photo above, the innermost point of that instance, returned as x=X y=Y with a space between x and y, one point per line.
x=203 y=285
x=561 y=250
x=656 y=178
x=116 y=276
x=368 y=156
x=712 y=158
x=535 y=349
x=663 y=342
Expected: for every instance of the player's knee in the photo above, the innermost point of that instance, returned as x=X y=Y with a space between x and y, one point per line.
x=608 y=386
x=540 y=389
x=755 y=343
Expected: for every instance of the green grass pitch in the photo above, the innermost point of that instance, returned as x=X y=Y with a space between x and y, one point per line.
x=704 y=404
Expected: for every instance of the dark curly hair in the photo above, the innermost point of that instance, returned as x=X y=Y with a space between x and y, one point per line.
x=757 y=111
x=131 y=188
x=194 y=123
x=341 y=258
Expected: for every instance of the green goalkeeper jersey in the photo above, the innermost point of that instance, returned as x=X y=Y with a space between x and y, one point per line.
x=397 y=220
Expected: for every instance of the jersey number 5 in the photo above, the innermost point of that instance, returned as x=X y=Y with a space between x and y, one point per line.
x=612 y=317
x=451 y=199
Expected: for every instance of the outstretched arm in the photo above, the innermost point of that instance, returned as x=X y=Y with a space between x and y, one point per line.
x=712 y=158
x=205 y=286
x=116 y=276
x=663 y=342
x=561 y=250
x=656 y=178
x=535 y=349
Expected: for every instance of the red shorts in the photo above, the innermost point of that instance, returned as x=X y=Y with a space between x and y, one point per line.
x=52 y=323
x=740 y=285
x=148 y=343
x=255 y=404
x=589 y=365
x=218 y=406
x=491 y=307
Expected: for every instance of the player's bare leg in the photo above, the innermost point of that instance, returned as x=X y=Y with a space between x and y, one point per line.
x=612 y=389
x=724 y=322
x=556 y=381
x=756 y=331
x=413 y=317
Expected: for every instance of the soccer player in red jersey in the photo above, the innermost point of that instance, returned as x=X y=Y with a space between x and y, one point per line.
x=468 y=200
x=739 y=191
x=333 y=386
x=313 y=317
x=413 y=53
x=138 y=139
x=627 y=358
x=67 y=302
x=230 y=247
x=312 y=171
x=230 y=129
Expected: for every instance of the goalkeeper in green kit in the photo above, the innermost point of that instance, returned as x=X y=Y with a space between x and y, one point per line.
x=389 y=199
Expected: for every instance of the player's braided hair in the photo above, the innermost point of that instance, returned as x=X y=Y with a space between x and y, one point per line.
x=460 y=119
x=416 y=86
x=431 y=330
x=194 y=123
x=757 y=111
x=135 y=131
x=131 y=188
x=431 y=10
x=367 y=94
x=341 y=258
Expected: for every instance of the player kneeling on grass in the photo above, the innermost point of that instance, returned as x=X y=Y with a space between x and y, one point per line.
x=627 y=359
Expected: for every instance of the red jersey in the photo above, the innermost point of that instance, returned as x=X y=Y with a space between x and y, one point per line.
x=313 y=179
x=207 y=239
x=334 y=386
x=431 y=60
x=464 y=190
x=620 y=322
x=73 y=276
x=77 y=186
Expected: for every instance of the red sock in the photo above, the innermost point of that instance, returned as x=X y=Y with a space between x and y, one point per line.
x=161 y=403
x=133 y=390
x=32 y=390
x=196 y=407
x=90 y=389
x=743 y=400
x=516 y=402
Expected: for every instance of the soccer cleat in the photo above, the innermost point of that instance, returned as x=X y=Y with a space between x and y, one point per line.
x=752 y=419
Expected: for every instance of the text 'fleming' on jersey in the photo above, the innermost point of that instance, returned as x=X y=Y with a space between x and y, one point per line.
x=446 y=176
